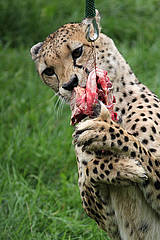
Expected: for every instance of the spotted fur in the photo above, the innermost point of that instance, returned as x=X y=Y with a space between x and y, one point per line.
x=118 y=163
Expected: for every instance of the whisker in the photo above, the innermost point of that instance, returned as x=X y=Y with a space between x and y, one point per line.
x=53 y=106
x=58 y=109
x=62 y=105
x=54 y=96
x=56 y=104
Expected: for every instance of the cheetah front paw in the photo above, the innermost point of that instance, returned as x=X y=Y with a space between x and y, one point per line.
x=92 y=133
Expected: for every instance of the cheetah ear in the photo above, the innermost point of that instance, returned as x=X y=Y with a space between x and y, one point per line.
x=98 y=19
x=35 y=50
x=87 y=21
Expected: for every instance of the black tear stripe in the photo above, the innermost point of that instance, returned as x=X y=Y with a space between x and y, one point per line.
x=57 y=80
x=76 y=65
x=87 y=71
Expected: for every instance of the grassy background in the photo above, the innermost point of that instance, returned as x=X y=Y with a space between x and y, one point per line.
x=39 y=196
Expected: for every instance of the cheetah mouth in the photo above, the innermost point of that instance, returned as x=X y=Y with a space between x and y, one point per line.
x=85 y=102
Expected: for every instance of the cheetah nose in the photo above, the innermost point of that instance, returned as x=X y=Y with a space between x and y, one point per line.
x=71 y=84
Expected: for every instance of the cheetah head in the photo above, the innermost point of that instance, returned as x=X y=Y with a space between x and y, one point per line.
x=65 y=59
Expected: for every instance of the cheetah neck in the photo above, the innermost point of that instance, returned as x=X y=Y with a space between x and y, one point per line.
x=110 y=59
x=125 y=84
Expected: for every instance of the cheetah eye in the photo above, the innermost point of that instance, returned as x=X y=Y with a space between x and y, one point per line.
x=77 y=52
x=49 y=71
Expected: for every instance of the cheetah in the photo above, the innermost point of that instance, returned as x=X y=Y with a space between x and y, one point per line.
x=118 y=162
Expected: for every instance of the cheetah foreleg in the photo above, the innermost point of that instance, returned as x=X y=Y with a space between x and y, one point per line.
x=101 y=137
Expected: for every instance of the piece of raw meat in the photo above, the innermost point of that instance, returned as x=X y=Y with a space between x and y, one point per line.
x=98 y=88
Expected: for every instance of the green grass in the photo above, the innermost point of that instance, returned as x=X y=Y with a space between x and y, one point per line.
x=39 y=196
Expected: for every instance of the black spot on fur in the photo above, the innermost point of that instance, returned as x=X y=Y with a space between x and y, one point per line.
x=131 y=92
x=133 y=154
x=157 y=163
x=104 y=138
x=111 y=130
x=113 y=136
x=92 y=180
x=95 y=171
x=153 y=129
x=135 y=145
x=143 y=129
x=102 y=175
x=146 y=100
x=84 y=162
x=144 y=119
x=137 y=120
x=95 y=162
x=140 y=107
x=158 y=115
x=117 y=135
x=124 y=94
x=133 y=126
x=157 y=185
x=150 y=163
x=155 y=105
x=82 y=194
x=126 y=139
x=149 y=169
x=85 y=203
x=110 y=166
x=135 y=134
x=112 y=144
x=102 y=166
x=123 y=111
x=99 y=205
x=145 y=141
x=87 y=172
x=143 y=95
x=121 y=131
x=149 y=106
x=134 y=100
x=158 y=174
x=156 y=123
x=107 y=172
x=152 y=150
x=140 y=150
x=152 y=138
x=125 y=148
x=144 y=150
x=119 y=142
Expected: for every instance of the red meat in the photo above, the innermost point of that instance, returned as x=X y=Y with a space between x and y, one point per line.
x=98 y=88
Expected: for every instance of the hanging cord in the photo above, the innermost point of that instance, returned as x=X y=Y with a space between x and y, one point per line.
x=90 y=9
x=90 y=15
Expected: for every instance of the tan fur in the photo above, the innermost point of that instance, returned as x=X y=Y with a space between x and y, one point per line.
x=118 y=163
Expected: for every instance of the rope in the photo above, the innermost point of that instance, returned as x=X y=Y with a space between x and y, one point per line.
x=90 y=9
x=91 y=20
